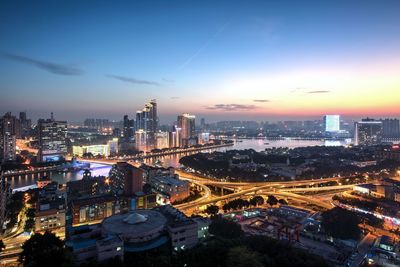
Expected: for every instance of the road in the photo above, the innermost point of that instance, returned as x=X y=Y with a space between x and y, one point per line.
x=363 y=247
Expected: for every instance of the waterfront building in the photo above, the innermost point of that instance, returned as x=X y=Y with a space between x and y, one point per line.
x=88 y=186
x=162 y=140
x=52 y=136
x=113 y=146
x=95 y=150
x=175 y=137
x=147 y=125
x=141 y=143
x=187 y=123
x=204 y=138
x=9 y=132
x=367 y=132
x=332 y=123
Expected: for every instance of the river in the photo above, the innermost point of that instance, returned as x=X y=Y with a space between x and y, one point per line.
x=173 y=160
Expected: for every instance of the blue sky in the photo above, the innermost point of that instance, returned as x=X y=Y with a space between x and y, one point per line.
x=211 y=58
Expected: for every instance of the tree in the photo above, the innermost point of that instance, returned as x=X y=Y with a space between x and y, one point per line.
x=30 y=213
x=341 y=223
x=225 y=228
x=243 y=257
x=45 y=250
x=272 y=200
x=2 y=246
x=212 y=210
x=29 y=225
x=257 y=200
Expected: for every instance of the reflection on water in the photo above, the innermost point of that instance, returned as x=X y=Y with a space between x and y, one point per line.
x=62 y=177
x=256 y=144
x=173 y=160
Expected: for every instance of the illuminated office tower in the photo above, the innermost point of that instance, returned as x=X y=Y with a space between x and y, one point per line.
x=141 y=140
x=52 y=136
x=367 y=132
x=147 y=121
x=332 y=123
x=9 y=130
x=128 y=130
x=162 y=140
x=187 y=123
x=175 y=137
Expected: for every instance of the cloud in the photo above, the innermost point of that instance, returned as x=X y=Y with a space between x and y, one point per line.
x=55 y=68
x=231 y=107
x=318 y=92
x=261 y=100
x=132 y=80
x=297 y=89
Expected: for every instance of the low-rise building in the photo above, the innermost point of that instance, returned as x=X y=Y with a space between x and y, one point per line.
x=171 y=187
x=50 y=215
x=94 y=208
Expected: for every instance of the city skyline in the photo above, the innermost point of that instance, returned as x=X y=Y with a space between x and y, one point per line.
x=266 y=61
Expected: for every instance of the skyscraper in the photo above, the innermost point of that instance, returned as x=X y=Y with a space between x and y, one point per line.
x=9 y=131
x=175 y=137
x=26 y=124
x=187 y=123
x=391 y=128
x=52 y=140
x=129 y=129
x=332 y=123
x=147 y=122
x=367 y=132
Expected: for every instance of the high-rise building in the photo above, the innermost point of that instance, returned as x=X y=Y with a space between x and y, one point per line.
x=133 y=178
x=26 y=124
x=332 y=123
x=141 y=140
x=5 y=195
x=202 y=123
x=391 y=128
x=367 y=132
x=129 y=129
x=9 y=131
x=187 y=123
x=52 y=136
x=147 y=122
x=162 y=140
x=175 y=137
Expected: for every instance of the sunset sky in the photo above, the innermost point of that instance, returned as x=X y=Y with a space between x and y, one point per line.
x=261 y=60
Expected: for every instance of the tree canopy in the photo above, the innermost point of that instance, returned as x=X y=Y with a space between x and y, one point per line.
x=45 y=250
x=225 y=228
x=341 y=223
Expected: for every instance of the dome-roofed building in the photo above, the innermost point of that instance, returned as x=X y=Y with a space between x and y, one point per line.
x=136 y=226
